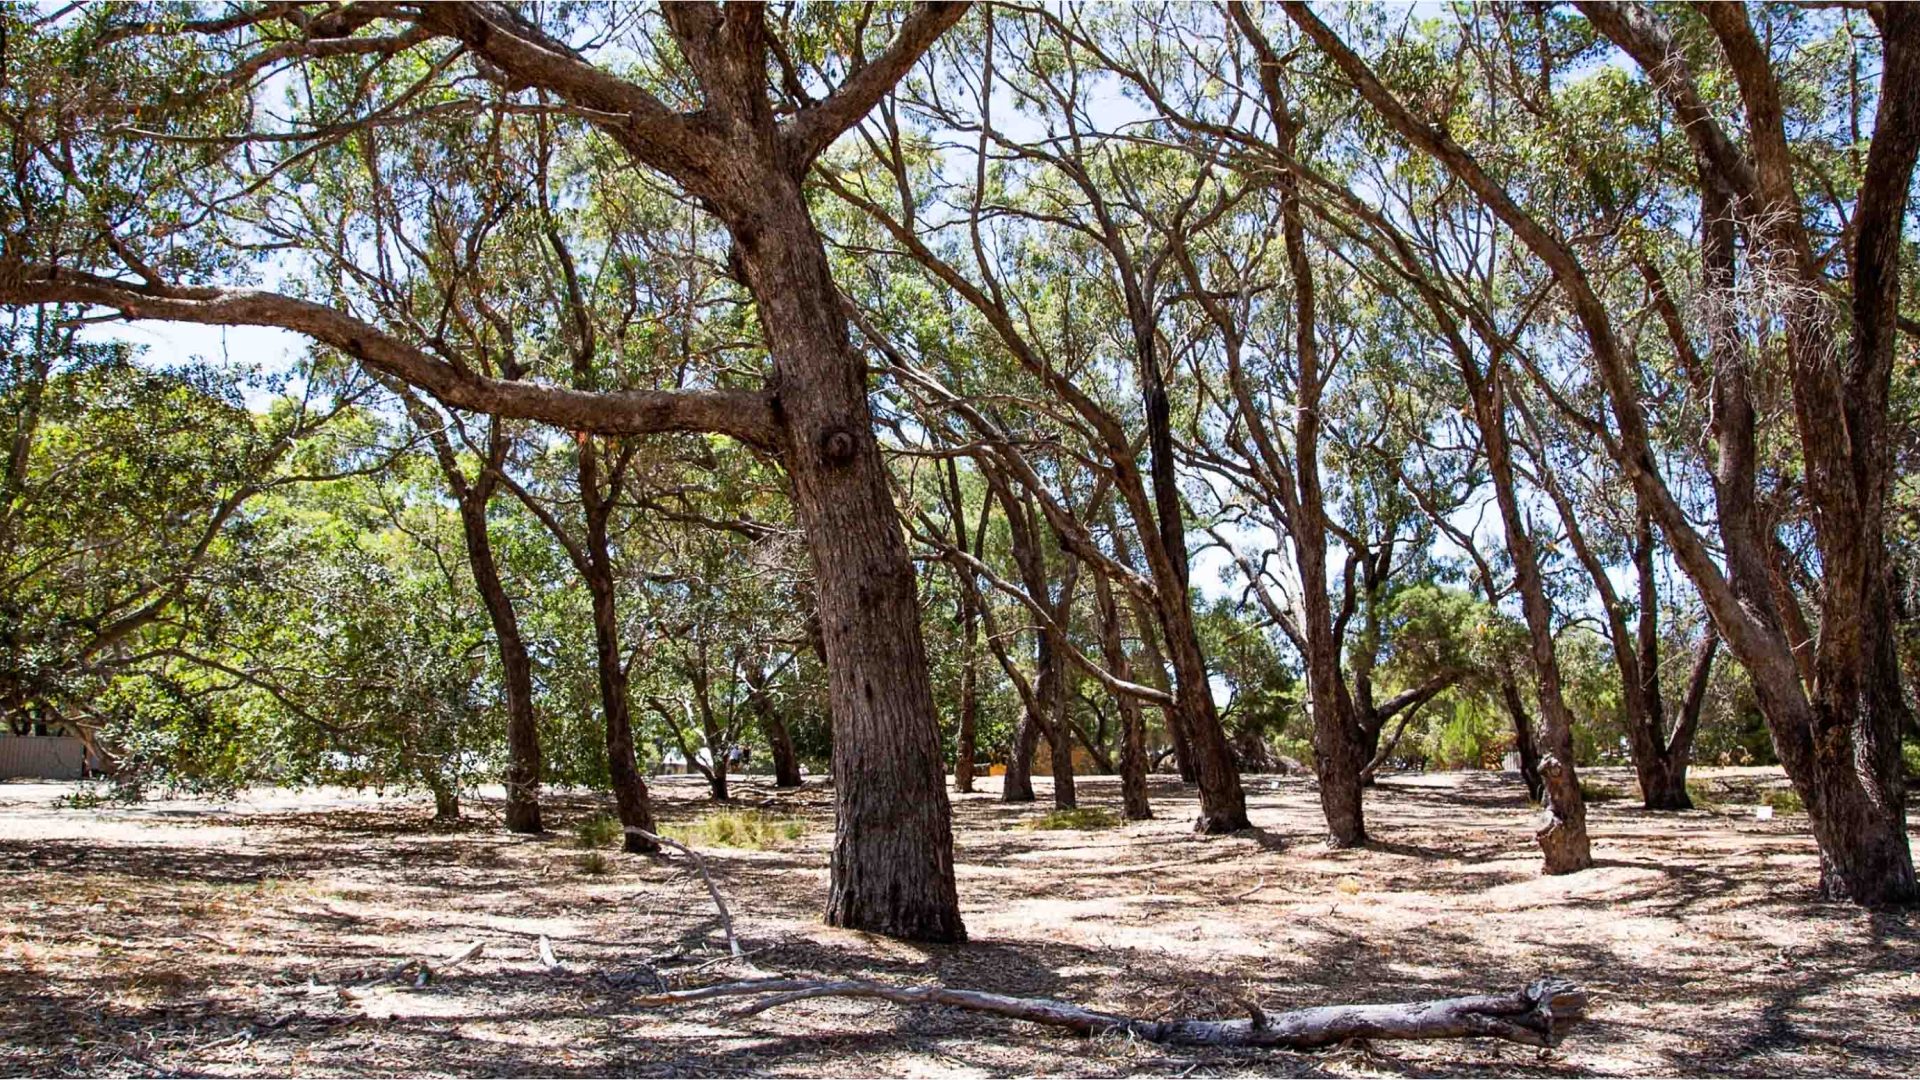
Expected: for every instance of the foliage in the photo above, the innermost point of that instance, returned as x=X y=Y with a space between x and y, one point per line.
x=1081 y=818
x=752 y=829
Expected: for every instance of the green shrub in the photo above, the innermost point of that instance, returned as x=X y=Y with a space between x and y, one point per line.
x=1784 y=801
x=598 y=831
x=1080 y=817
x=738 y=829
x=593 y=864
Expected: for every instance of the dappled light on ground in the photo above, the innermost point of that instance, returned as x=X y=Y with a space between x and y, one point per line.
x=256 y=939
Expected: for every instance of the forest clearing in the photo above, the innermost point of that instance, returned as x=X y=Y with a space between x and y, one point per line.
x=187 y=938
x=926 y=538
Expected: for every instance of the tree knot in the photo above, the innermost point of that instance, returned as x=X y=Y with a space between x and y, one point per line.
x=837 y=446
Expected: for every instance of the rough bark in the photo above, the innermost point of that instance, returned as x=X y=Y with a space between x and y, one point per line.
x=893 y=843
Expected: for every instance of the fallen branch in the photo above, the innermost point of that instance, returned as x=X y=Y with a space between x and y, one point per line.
x=1539 y=1014
x=700 y=864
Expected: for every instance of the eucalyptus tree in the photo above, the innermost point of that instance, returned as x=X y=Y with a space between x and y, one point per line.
x=151 y=161
x=1836 y=714
x=1042 y=204
x=1292 y=376
x=129 y=498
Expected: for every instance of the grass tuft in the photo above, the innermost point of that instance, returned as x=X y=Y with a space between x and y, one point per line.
x=1080 y=817
x=1784 y=801
x=594 y=864
x=1700 y=793
x=598 y=831
x=752 y=829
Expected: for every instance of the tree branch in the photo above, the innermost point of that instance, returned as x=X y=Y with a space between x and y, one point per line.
x=741 y=414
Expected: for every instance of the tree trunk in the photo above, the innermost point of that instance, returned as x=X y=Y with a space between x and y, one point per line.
x=634 y=805
x=1523 y=744
x=1058 y=697
x=1018 y=785
x=786 y=766
x=1223 y=803
x=892 y=867
x=446 y=801
x=630 y=796
x=965 y=750
x=1157 y=677
x=1133 y=739
x=1060 y=743
x=523 y=733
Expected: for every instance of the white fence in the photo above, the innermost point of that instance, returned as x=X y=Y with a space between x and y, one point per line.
x=41 y=757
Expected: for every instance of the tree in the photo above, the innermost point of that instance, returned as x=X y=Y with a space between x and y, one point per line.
x=731 y=150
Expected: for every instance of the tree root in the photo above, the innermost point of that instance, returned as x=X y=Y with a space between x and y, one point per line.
x=1538 y=1014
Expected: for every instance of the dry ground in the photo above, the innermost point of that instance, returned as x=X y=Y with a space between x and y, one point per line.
x=192 y=938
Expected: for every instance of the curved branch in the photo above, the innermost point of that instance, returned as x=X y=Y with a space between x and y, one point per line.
x=746 y=415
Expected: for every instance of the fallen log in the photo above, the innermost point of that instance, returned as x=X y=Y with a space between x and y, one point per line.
x=1538 y=1014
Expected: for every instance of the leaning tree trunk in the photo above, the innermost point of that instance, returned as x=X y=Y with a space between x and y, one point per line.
x=1523 y=744
x=1223 y=803
x=523 y=733
x=1563 y=835
x=892 y=866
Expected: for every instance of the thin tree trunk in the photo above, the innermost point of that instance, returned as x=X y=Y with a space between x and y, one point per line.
x=786 y=766
x=965 y=748
x=1563 y=838
x=1156 y=663
x=523 y=733
x=1523 y=744
x=630 y=797
x=1133 y=740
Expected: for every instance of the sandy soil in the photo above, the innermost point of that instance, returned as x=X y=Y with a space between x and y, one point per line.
x=251 y=938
